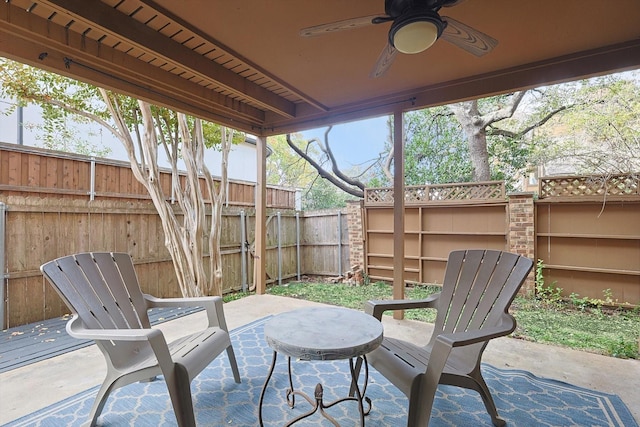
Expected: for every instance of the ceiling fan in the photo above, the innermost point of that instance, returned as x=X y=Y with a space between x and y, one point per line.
x=415 y=26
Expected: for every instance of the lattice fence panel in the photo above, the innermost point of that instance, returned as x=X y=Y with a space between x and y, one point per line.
x=378 y=196
x=419 y=194
x=467 y=192
x=583 y=186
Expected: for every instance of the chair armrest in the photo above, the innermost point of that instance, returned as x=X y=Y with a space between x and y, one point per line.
x=213 y=306
x=154 y=337
x=76 y=329
x=177 y=302
x=377 y=307
x=459 y=339
x=444 y=343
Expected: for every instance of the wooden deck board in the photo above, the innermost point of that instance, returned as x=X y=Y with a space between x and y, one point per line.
x=23 y=345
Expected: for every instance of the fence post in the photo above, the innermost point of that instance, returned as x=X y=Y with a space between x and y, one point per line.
x=356 y=233
x=522 y=233
x=92 y=190
x=243 y=250
x=279 y=249
x=339 y=243
x=298 y=244
x=3 y=278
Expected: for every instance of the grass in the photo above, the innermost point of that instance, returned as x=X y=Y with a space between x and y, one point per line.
x=605 y=331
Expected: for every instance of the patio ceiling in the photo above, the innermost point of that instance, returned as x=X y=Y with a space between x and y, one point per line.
x=242 y=63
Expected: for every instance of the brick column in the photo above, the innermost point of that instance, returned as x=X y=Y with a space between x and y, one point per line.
x=356 y=234
x=522 y=232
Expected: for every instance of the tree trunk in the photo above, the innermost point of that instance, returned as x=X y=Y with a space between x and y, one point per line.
x=474 y=128
x=479 y=155
x=185 y=242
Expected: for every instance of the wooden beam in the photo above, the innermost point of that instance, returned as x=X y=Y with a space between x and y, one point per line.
x=260 y=270
x=121 y=26
x=155 y=6
x=35 y=41
x=398 y=209
x=609 y=59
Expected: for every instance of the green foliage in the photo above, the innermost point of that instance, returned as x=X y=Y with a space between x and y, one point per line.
x=583 y=303
x=436 y=151
x=321 y=194
x=60 y=129
x=623 y=349
x=509 y=159
x=549 y=294
x=233 y=296
x=355 y=296
x=366 y=280
x=599 y=134
x=610 y=332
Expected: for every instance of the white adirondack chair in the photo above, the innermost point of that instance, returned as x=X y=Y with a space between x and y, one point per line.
x=102 y=290
x=478 y=288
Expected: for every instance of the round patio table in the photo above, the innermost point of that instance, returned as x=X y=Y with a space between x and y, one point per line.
x=323 y=333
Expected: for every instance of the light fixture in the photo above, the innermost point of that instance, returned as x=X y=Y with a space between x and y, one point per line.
x=416 y=30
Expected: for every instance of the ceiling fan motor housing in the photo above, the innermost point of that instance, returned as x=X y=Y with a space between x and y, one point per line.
x=415 y=17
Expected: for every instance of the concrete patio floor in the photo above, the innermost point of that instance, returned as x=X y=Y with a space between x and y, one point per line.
x=29 y=388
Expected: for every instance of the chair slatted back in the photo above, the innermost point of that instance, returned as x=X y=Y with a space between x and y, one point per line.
x=101 y=287
x=479 y=285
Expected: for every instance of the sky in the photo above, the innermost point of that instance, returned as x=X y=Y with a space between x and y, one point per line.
x=355 y=142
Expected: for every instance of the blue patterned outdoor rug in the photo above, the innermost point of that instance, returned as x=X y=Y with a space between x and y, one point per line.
x=522 y=399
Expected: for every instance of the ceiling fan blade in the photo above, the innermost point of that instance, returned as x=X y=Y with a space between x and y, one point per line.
x=384 y=61
x=347 y=24
x=473 y=41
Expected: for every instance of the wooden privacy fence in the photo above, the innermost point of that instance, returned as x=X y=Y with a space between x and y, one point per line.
x=438 y=219
x=54 y=204
x=588 y=235
x=586 y=230
x=36 y=171
x=38 y=229
x=325 y=242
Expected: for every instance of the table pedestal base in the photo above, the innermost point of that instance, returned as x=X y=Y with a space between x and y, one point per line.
x=317 y=403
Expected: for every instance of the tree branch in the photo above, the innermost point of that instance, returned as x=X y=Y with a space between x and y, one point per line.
x=503 y=132
x=386 y=167
x=506 y=112
x=357 y=192
x=326 y=148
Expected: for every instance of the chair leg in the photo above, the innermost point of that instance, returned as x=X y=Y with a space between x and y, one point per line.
x=101 y=398
x=420 y=404
x=180 y=392
x=234 y=365
x=481 y=387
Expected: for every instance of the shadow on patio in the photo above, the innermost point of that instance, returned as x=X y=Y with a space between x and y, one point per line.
x=30 y=388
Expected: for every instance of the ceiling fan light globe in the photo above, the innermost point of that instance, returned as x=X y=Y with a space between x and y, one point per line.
x=415 y=37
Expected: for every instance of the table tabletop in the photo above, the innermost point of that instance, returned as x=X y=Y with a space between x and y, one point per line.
x=323 y=333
